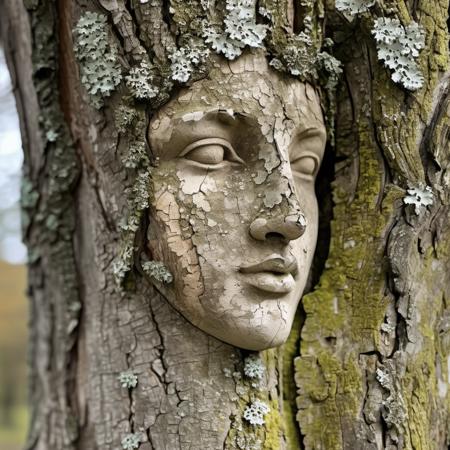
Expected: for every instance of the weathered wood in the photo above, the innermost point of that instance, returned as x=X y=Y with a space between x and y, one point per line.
x=373 y=363
x=371 y=347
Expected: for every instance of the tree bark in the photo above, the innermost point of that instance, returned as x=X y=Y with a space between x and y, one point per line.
x=366 y=365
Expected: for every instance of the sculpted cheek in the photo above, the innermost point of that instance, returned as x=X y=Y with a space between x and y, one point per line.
x=168 y=243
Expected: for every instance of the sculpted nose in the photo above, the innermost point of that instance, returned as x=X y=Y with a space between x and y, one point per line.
x=287 y=227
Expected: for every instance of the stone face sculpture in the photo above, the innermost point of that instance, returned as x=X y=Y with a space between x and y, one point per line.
x=234 y=215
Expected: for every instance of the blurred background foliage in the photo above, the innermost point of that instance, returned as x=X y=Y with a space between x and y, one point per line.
x=13 y=304
x=13 y=391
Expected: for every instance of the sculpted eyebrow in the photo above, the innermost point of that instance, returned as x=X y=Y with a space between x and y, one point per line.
x=227 y=121
x=225 y=116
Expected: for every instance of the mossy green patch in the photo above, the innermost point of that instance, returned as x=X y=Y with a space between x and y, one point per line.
x=347 y=308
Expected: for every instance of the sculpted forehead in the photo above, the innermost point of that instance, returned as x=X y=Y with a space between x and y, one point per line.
x=250 y=88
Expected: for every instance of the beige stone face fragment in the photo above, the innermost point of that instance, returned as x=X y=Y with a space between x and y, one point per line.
x=235 y=212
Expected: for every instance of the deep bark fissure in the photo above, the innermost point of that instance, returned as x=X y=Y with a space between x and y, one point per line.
x=426 y=146
x=160 y=348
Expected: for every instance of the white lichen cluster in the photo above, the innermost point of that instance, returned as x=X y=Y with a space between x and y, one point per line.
x=254 y=367
x=420 y=197
x=186 y=59
x=131 y=441
x=265 y=13
x=353 y=7
x=138 y=194
x=51 y=135
x=301 y=59
x=158 y=271
x=383 y=378
x=140 y=81
x=136 y=155
x=99 y=66
x=399 y=47
x=333 y=68
x=122 y=264
x=124 y=118
x=255 y=412
x=240 y=23
x=297 y=56
x=141 y=191
x=394 y=412
x=240 y=29
x=128 y=380
x=138 y=202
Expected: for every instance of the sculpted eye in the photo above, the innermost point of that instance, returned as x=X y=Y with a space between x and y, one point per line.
x=211 y=152
x=305 y=166
x=306 y=152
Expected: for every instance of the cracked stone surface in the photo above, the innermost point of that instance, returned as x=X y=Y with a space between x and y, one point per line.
x=235 y=213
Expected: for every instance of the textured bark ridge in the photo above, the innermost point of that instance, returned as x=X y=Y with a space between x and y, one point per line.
x=373 y=362
x=113 y=365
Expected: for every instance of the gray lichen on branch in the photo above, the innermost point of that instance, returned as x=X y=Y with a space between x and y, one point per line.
x=97 y=55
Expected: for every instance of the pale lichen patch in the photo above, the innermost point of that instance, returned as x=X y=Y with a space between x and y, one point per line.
x=420 y=197
x=255 y=412
x=158 y=271
x=353 y=7
x=137 y=161
x=128 y=379
x=131 y=441
x=399 y=47
x=254 y=367
x=240 y=29
x=97 y=55
x=141 y=81
x=185 y=60
x=395 y=412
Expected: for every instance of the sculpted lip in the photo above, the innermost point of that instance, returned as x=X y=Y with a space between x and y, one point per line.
x=275 y=274
x=274 y=263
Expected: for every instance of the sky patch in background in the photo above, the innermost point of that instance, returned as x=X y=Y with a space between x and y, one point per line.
x=12 y=249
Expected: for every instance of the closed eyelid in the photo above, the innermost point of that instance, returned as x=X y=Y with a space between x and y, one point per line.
x=207 y=141
x=233 y=157
x=310 y=175
x=306 y=154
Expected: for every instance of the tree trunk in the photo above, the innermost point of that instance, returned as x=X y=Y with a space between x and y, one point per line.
x=367 y=363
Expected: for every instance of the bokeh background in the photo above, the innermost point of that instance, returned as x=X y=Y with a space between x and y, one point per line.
x=13 y=303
